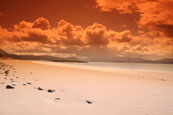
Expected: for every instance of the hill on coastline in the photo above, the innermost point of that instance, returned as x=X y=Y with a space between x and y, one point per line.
x=5 y=55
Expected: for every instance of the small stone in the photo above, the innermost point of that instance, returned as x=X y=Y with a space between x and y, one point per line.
x=7 y=71
x=29 y=83
x=57 y=98
x=50 y=90
x=39 y=88
x=9 y=87
x=89 y=102
x=24 y=84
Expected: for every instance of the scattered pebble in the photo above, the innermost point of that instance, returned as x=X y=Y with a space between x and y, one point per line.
x=57 y=98
x=89 y=102
x=9 y=87
x=29 y=83
x=39 y=88
x=7 y=71
x=24 y=84
x=50 y=90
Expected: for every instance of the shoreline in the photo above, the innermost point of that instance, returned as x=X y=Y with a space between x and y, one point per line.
x=96 y=68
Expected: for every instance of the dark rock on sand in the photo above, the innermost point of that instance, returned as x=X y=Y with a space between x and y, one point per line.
x=7 y=71
x=89 y=102
x=39 y=88
x=29 y=83
x=9 y=87
x=24 y=84
x=57 y=98
x=50 y=90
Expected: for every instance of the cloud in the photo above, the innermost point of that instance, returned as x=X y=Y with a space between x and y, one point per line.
x=35 y=37
x=125 y=36
x=96 y=34
x=41 y=23
x=23 y=25
x=155 y=15
x=70 y=34
x=125 y=6
x=94 y=42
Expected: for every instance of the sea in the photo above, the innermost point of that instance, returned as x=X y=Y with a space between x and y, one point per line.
x=111 y=66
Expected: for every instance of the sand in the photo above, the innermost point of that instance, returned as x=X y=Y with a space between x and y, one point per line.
x=84 y=91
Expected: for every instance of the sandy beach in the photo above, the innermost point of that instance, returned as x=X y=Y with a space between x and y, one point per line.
x=41 y=89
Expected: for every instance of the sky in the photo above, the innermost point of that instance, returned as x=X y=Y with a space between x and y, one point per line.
x=88 y=29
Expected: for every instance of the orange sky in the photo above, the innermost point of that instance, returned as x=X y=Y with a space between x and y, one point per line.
x=89 y=29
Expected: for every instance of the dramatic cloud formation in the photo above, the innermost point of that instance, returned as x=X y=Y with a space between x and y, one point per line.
x=94 y=42
x=156 y=15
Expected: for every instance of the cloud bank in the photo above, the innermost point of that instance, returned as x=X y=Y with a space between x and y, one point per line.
x=155 y=15
x=94 y=42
